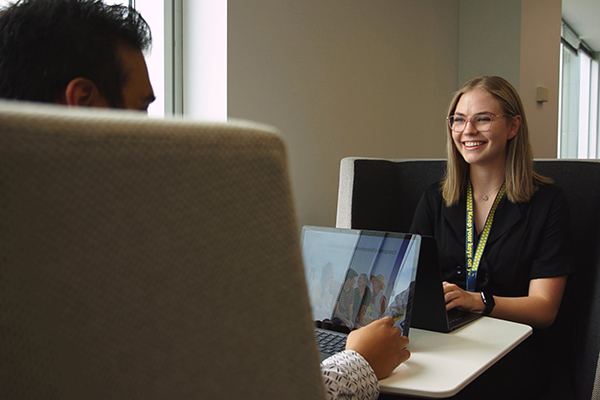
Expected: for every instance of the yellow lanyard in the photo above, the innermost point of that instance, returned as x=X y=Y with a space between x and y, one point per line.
x=473 y=260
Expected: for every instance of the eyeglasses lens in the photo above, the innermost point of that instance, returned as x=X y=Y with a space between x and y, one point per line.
x=481 y=123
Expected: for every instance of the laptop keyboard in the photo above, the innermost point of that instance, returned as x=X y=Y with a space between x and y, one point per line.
x=330 y=342
x=458 y=318
x=454 y=318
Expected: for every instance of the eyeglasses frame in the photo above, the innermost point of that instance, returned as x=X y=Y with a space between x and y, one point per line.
x=470 y=120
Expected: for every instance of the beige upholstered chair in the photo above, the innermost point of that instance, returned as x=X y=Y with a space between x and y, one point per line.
x=148 y=259
x=382 y=194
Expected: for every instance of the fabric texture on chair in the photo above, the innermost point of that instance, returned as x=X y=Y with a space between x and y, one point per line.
x=382 y=194
x=596 y=390
x=149 y=259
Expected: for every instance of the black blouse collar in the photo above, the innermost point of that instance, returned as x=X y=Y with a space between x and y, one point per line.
x=506 y=216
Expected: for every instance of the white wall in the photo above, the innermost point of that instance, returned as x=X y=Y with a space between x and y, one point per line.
x=520 y=41
x=540 y=66
x=489 y=40
x=343 y=78
x=373 y=78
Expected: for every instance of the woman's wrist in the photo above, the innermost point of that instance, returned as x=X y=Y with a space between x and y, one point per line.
x=488 y=301
x=478 y=301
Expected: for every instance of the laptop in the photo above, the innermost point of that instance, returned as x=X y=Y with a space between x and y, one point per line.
x=429 y=307
x=355 y=277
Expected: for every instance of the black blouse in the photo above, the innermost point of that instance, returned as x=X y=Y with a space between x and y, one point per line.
x=526 y=241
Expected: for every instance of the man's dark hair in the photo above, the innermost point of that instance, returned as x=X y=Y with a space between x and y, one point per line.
x=45 y=44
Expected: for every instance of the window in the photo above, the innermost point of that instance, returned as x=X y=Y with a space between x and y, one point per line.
x=578 y=105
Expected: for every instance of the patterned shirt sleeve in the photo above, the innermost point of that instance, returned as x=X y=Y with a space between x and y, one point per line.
x=347 y=375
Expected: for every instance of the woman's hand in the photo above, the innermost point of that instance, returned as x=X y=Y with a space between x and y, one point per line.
x=538 y=309
x=458 y=298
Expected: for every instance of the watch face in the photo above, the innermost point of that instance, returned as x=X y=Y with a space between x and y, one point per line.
x=488 y=301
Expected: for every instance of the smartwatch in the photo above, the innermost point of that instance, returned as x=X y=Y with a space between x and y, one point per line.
x=488 y=301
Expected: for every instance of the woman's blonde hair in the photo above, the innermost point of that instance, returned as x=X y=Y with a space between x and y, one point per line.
x=521 y=180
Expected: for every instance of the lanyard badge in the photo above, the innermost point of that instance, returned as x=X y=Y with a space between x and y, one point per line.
x=473 y=257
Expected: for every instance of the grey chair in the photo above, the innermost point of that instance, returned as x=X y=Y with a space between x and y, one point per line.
x=149 y=259
x=382 y=194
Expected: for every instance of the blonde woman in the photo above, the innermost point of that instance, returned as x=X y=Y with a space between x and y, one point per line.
x=502 y=230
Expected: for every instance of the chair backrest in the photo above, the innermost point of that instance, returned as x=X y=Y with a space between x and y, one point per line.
x=383 y=194
x=149 y=259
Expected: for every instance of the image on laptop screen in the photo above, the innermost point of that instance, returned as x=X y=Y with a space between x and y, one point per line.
x=355 y=277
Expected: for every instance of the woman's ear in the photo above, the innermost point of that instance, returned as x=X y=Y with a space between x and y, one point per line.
x=514 y=126
x=84 y=92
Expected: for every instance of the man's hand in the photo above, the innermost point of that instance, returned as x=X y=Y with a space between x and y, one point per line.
x=381 y=345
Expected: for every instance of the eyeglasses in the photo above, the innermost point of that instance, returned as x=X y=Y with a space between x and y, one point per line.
x=481 y=123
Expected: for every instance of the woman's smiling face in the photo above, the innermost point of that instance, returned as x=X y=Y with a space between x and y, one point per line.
x=489 y=147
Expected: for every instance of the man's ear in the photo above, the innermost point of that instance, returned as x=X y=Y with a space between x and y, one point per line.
x=84 y=92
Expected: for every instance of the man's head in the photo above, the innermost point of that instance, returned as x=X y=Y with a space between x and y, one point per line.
x=75 y=52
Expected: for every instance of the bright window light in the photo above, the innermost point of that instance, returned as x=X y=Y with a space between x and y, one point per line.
x=205 y=59
x=578 y=106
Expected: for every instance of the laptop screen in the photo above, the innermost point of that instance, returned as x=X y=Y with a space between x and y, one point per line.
x=356 y=276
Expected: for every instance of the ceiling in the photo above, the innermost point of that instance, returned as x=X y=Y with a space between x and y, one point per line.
x=583 y=16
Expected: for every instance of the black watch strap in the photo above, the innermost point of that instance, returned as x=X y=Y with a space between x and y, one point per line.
x=488 y=301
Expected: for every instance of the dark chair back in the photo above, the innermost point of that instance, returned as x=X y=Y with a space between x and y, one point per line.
x=383 y=194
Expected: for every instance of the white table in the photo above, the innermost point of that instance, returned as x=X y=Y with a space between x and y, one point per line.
x=441 y=364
